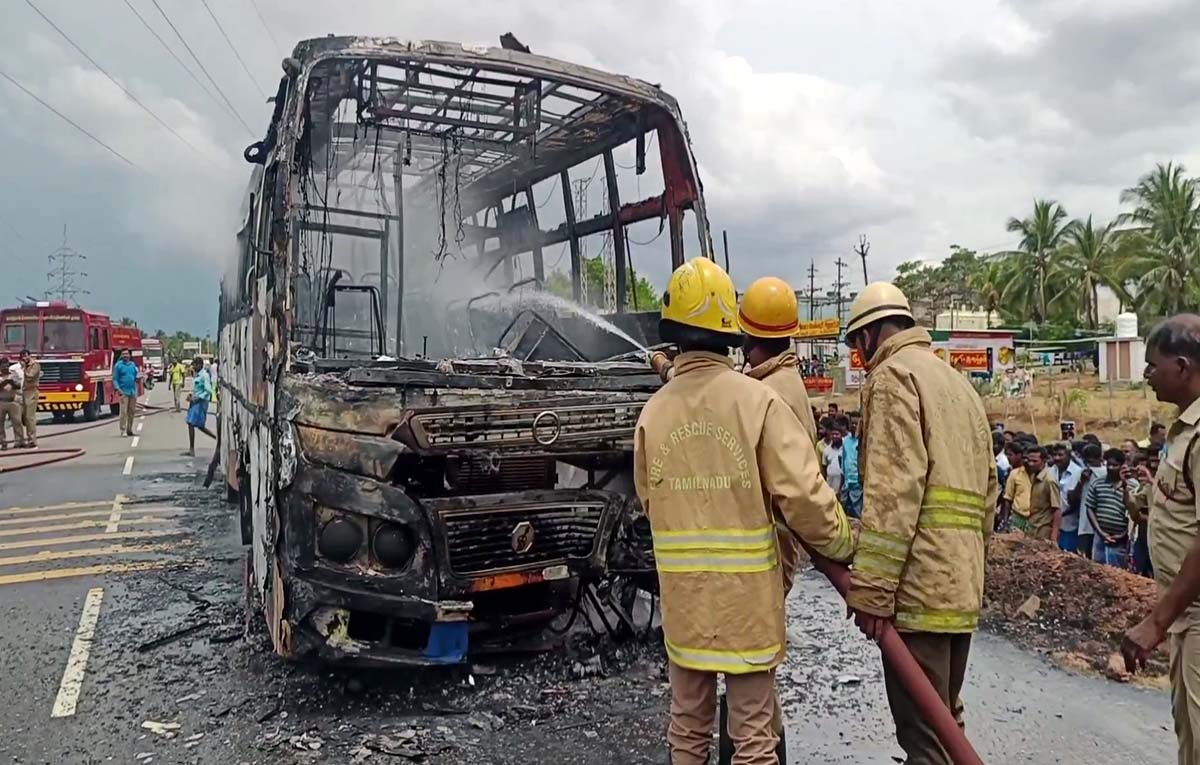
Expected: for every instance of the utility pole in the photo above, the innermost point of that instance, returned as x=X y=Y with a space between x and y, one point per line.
x=581 y=209
x=864 y=246
x=63 y=273
x=725 y=239
x=812 y=290
x=839 y=286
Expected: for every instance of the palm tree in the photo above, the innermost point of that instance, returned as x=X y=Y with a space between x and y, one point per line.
x=1164 y=239
x=989 y=285
x=1041 y=235
x=1091 y=261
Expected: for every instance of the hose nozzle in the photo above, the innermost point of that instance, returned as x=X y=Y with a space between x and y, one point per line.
x=663 y=366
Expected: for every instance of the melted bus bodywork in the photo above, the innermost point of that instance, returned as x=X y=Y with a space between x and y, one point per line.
x=429 y=453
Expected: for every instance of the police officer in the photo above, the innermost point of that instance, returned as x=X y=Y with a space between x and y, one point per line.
x=711 y=446
x=929 y=489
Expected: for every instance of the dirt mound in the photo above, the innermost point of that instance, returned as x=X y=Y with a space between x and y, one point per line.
x=1081 y=610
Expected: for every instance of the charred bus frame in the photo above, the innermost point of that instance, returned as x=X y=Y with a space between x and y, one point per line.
x=400 y=502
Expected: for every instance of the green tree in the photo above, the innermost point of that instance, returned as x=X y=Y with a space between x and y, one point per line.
x=1041 y=235
x=640 y=293
x=1090 y=260
x=1164 y=240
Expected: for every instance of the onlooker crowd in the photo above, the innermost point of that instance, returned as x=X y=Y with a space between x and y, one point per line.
x=837 y=450
x=1087 y=498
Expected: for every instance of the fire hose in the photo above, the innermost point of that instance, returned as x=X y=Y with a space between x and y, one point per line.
x=895 y=653
x=907 y=670
x=52 y=456
x=910 y=674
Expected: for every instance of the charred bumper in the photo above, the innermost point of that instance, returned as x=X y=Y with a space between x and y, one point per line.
x=475 y=570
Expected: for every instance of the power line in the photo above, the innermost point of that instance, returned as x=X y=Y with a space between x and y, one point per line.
x=233 y=48
x=200 y=64
x=175 y=55
x=111 y=79
x=263 y=21
x=12 y=228
x=69 y=121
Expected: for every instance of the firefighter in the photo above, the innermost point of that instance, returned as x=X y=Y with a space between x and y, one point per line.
x=769 y=318
x=712 y=448
x=929 y=492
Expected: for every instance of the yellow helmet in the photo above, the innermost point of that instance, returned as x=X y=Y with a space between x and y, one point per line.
x=878 y=300
x=769 y=309
x=701 y=295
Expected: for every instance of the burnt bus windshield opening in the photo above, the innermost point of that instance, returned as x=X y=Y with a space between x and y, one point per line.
x=440 y=202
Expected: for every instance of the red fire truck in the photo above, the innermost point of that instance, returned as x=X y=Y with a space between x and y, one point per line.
x=77 y=349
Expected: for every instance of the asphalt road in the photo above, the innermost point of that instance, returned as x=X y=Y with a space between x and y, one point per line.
x=121 y=608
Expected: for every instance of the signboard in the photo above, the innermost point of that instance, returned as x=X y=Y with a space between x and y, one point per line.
x=191 y=345
x=818 y=384
x=819 y=328
x=856 y=360
x=967 y=359
x=14 y=317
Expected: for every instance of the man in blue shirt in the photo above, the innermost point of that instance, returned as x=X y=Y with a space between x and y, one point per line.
x=197 y=414
x=852 y=492
x=125 y=377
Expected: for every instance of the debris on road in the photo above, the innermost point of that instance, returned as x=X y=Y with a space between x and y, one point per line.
x=164 y=729
x=171 y=637
x=1063 y=604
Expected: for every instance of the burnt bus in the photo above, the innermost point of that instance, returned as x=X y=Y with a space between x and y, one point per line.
x=430 y=449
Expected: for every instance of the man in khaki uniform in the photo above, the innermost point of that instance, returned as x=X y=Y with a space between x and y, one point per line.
x=10 y=409
x=716 y=456
x=1015 y=512
x=1045 y=503
x=1173 y=371
x=29 y=396
x=929 y=493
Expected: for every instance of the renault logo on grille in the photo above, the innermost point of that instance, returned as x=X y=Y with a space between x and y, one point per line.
x=522 y=537
x=546 y=428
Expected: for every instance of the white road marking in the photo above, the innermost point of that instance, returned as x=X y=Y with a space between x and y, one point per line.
x=114 y=518
x=72 y=680
x=139 y=426
x=128 y=466
x=136 y=440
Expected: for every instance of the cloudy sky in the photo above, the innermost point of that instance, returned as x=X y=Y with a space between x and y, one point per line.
x=919 y=124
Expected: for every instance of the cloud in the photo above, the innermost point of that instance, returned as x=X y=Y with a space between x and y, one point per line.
x=811 y=125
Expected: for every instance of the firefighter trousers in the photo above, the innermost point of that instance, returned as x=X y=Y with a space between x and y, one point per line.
x=943 y=657
x=29 y=402
x=751 y=699
x=10 y=411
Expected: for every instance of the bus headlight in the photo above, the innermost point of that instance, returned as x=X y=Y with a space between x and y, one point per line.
x=78 y=387
x=393 y=545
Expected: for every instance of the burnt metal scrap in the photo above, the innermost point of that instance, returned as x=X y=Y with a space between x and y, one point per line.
x=430 y=456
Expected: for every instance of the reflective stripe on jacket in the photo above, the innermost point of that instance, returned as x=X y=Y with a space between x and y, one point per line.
x=716 y=456
x=782 y=375
x=929 y=491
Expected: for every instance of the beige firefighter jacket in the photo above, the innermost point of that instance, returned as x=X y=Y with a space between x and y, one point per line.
x=929 y=491
x=782 y=375
x=714 y=453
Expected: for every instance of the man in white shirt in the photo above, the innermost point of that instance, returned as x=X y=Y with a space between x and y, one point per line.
x=831 y=459
x=1068 y=473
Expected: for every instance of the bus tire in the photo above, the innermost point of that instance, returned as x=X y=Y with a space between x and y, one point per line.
x=62 y=416
x=91 y=410
x=245 y=509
